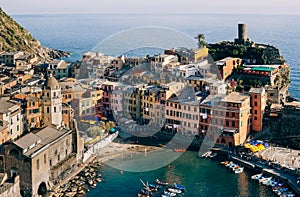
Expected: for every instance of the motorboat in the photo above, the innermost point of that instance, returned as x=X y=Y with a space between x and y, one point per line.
x=239 y=170
x=256 y=176
x=178 y=186
x=173 y=190
x=163 y=183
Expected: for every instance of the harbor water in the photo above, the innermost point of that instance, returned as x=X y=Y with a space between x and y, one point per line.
x=201 y=178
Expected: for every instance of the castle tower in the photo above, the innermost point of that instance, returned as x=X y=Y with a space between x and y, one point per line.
x=52 y=102
x=242 y=34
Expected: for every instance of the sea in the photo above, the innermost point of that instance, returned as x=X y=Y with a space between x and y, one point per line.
x=81 y=33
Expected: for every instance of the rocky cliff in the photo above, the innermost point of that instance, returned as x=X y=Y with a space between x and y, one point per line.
x=13 y=37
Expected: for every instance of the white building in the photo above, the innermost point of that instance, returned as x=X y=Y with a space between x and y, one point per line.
x=10 y=112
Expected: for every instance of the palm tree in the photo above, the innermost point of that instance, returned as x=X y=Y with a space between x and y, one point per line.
x=201 y=40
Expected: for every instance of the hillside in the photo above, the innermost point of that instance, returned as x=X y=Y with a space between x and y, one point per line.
x=13 y=37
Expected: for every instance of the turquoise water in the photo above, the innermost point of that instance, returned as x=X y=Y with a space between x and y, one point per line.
x=201 y=177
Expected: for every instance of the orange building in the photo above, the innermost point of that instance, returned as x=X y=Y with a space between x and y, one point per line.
x=226 y=121
x=227 y=65
x=258 y=104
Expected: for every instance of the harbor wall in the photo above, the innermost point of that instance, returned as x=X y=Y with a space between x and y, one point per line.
x=95 y=148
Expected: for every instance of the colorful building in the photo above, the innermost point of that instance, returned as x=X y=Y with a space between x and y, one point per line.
x=226 y=120
x=258 y=104
x=227 y=65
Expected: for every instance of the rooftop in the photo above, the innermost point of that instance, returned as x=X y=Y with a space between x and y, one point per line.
x=7 y=106
x=235 y=97
x=33 y=142
x=256 y=90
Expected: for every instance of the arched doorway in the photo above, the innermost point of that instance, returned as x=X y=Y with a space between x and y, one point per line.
x=42 y=189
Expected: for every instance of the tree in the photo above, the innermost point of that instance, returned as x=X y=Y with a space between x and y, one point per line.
x=201 y=40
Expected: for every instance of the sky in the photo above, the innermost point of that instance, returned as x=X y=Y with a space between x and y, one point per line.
x=151 y=6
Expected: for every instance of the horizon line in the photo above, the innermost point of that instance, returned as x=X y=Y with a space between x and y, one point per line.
x=160 y=13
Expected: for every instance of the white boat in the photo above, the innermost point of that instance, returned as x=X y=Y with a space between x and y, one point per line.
x=173 y=190
x=169 y=193
x=206 y=154
x=213 y=155
x=227 y=165
x=239 y=170
x=265 y=179
x=256 y=176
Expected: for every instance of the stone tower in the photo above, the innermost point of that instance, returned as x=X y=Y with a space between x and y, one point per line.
x=52 y=102
x=242 y=34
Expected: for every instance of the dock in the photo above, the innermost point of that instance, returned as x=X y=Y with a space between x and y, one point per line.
x=280 y=174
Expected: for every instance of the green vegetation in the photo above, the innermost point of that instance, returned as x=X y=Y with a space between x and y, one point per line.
x=201 y=40
x=259 y=54
x=13 y=37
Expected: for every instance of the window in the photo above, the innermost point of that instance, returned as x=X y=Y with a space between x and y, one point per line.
x=38 y=164
x=241 y=123
x=227 y=114
x=54 y=109
x=32 y=119
x=48 y=110
x=18 y=127
x=255 y=111
x=255 y=103
x=255 y=117
x=50 y=162
x=227 y=123
x=255 y=96
x=233 y=123
x=45 y=157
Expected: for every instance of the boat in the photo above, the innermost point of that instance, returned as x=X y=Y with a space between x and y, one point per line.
x=239 y=170
x=180 y=150
x=206 y=154
x=224 y=162
x=228 y=164
x=154 y=186
x=265 y=179
x=256 y=176
x=173 y=190
x=168 y=193
x=213 y=155
x=178 y=186
x=161 y=182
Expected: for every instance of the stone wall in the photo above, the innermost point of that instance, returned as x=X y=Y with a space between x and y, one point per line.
x=11 y=189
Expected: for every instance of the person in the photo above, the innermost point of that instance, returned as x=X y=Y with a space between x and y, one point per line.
x=298 y=180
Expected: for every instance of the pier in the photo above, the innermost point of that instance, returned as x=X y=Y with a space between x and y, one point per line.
x=280 y=174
